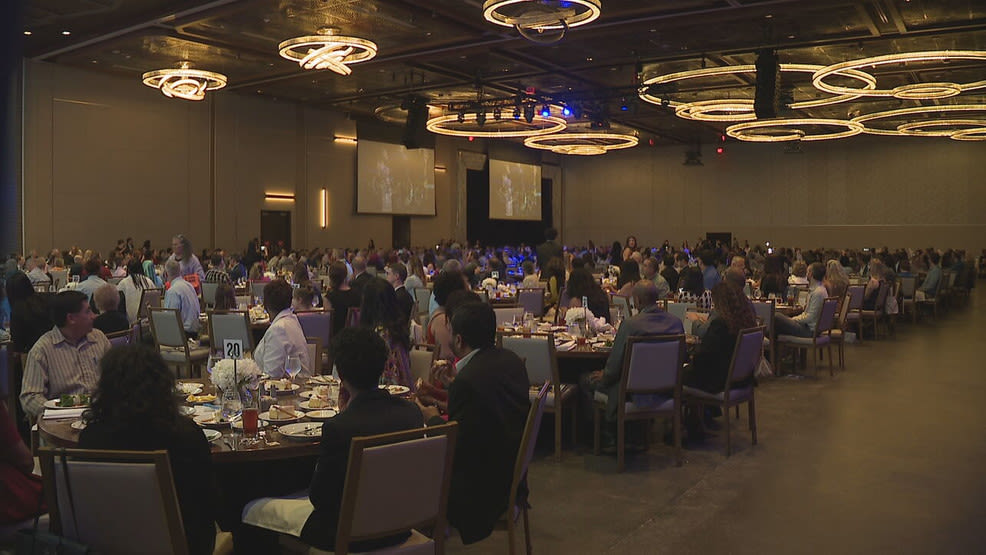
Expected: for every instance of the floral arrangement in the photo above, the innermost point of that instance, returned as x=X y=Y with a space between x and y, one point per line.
x=489 y=283
x=247 y=374
x=579 y=314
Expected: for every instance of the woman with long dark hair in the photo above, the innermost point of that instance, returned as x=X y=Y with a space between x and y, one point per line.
x=582 y=284
x=381 y=312
x=135 y=408
x=733 y=313
x=629 y=276
x=774 y=280
x=29 y=318
x=133 y=287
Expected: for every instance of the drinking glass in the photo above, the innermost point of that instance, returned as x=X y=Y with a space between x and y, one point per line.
x=292 y=366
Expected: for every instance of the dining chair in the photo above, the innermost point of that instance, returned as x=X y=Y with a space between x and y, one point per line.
x=541 y=362
x=622 y=302
x=172 y=343
x=517 y=507
x=933 y=302
x=120 y=338
x=422 y=297
x=143 y=515
x=506 y=315
x=531 y=299
x=877 y=313
x=58 y=279
x=41 y=286
x=838 y=332
x=209 y=293
x=230 y=324
x=854 y=297
x=651 y=377
x=318 y=323
x=417 y=463
x=257 y=291
x=821 y=337
x=679 y=309
x=905 y=299
x=422 y=357
x=739 y=388
x=314 y=345
x=149 y=298
x=765 y=311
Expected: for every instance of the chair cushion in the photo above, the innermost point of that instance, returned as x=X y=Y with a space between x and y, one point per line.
x=807 y=341
x=735 y=395
x=178 y=355
x=417 y=544
x=567 y=390
x=286 y=515
x=641 y=402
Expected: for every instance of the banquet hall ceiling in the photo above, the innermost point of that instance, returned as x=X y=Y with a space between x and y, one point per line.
x=446 y=51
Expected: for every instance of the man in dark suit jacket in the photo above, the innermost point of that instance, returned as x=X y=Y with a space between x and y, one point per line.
x=489 y=400
x=360 y=355
x=360 y=275
x=396 y=274
x=549 y=248
x=651 y=320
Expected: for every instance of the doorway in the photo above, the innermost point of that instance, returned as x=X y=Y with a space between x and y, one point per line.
x=275 y=228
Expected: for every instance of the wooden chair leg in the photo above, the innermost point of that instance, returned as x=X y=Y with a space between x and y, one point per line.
x=621 y=432
x=575 y=419
x=676 y=423
x=595 y=430
x=527 y=532
x=557 y=414
x=511 y=530
x=752 y=407
x=728 y=444
x=831 y=372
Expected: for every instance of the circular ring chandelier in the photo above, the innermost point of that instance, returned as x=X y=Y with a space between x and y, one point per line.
x=901 y=113
x=466 y=125
x=700 y=110
x=916 y=91
x=533 y=17
x=184 y=82
x=582 y=144
x=978 y=134
x=327 y=50
x=788 y=129
x=920 y=128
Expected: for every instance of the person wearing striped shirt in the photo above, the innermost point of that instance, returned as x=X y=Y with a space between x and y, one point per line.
x=65 y=360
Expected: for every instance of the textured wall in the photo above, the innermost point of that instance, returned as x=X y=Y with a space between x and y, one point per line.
x=868 y=191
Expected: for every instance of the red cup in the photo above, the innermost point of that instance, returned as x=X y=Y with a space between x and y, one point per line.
x=250 y=421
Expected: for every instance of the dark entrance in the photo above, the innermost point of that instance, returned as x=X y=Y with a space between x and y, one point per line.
x=275 y=228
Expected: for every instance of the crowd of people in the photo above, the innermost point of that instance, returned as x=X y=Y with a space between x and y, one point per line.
x=61 y=338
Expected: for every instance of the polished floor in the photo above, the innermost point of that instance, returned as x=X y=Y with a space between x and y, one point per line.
x=886 y=457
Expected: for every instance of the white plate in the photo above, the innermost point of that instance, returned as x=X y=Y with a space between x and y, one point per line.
x=323 y=380
x=212 y=435
x=53 y=404
x=79 y=425
x=208 y=399
x=308 y=394
x=209 y=419
x=186 y=411
x=186 y=388
x=238 y=425
x=321 y=414
x=302 y=430
x=266 y=416
x=304 y=405
x=396 y=389
x=282 y=389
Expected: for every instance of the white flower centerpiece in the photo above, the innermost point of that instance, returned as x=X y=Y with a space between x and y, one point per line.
x=236 y=374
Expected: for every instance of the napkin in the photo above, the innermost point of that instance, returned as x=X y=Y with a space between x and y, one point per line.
x=566 y=346
x=61 y=414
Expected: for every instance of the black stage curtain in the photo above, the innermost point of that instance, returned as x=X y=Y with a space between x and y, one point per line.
x=479 y=226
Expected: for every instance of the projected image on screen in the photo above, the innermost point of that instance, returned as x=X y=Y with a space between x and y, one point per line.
x=394 y=180
x=515 y=191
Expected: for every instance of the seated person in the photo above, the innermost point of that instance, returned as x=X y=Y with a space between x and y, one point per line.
x=110 y=319
x=225 y=297
x=284 y=337
x=217 y=270
x=93 y=280
x=360 y=356
x=530 y=276
x=651 y=320
x=650 y=271
x=804 y=324
x=930 y=284
x=439 y=332
x=20 y=488
x=134 y=408
x=715 y=352
x=798 y=274
x=65 y=360
x=877 y=272
x=489 y=400
x=182 y=296
x=303 y=298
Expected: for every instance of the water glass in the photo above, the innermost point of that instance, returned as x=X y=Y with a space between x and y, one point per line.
x=292 y=366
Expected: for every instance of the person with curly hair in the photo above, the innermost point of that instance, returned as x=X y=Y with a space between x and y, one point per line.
x=733 y=313
x=439 y=332
x=382 y=313
x=134 y=408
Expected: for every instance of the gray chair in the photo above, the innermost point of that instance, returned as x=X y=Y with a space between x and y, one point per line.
x=820 y=339
x=854 y=298
x=877 y=314
x=531 y=299
x=505 y=315
x=622 y=303
x=230 y=324
x=209 y=293
x=906 y=299
x=651 y=376
x=142 y=516
x=422 y=357
x=257 y=290
x=518 y=507
x=58 y=279
x=150 y=297
x=541 y=361
x=318 y=323
x=171 y=341
x=737 y=390
x=422 y=297
x=765 y=311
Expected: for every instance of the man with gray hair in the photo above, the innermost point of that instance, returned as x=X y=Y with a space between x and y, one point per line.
x=181 y=295
x=360 y=275
x=649 y=269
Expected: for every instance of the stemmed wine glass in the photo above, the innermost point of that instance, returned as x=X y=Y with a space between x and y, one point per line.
x=292 y=367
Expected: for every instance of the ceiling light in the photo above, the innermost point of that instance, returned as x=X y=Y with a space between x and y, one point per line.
x=582 y=144
x=788 y=129
x=952 y=126
x=734 y=113
x=566 y=111
x=27 y=33
x=868 y=120
x=541 y=15
x=184 y=82
x=916 y=91
x=545 y=111
x=327 y=50
x=970 y=134
x=717 y=110
x=66 y=33
x=468 y=126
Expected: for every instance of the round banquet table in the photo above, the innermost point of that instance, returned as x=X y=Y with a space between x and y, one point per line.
x=272 y=445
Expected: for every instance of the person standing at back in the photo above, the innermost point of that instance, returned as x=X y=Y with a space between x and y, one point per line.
x=549 y=248
x=182 y=253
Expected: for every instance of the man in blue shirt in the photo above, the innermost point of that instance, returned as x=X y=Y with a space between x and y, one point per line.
x=181 y=295
x=710 y=275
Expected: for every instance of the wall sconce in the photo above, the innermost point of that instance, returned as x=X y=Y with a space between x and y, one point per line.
x=439 y=168
x=323 y=219
x=279 y=197
x=347 y=140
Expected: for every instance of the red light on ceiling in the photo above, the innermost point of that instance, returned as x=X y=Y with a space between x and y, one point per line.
x=650 y=142
x=471 y=139
x=720 y=150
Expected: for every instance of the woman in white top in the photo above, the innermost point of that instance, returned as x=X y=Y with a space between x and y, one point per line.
x=133 y=288
x=284 y=337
